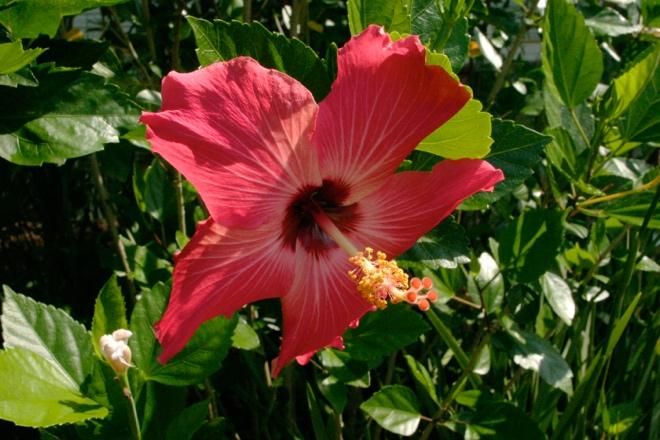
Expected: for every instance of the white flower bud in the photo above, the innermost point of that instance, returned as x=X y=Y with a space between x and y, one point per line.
x=116 y=350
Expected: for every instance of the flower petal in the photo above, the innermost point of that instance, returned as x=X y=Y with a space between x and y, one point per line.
x=321 y=304
x=409 y=204
x=384 y=101
x=241 y=134
x=218 y=272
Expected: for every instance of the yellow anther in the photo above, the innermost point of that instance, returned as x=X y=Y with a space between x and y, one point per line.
x=380 y=280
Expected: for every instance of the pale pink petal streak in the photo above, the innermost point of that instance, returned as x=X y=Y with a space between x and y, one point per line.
x=220 y=271
x=241 y=134
x=321 y=304
x=384 y=101
x=411 y=203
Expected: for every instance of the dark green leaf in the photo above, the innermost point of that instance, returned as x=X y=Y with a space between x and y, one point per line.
x=395 y=408
x=617 y=419
x=221 y=41
x=382 y=333
x=502 y=421
x=529 y=245
x=109 y=311
x=562 y=152
x=48 y=332
x=201 y=356
x=536 y=354
x=516 y=150
x=573 y=66
x=36 y=392
x=445 y=246
x=23 y=77
x=422 y=377
x=188 y=421
x=29 y=18
x=70 y=114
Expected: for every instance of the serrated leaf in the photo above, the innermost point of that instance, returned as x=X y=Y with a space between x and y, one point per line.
x=394 y=15
x=35 y=392
x=446 y=246
x=466 y=135
x=516 y=151
x=13 y=57
x=200 y=357
x=573 y=66
x=559 y=296
x=109 y=312
x=70 y=114
x=48 y=332
x=220 y=41
x=382 y=333
x=536 y=354
x=29 y=18
x=395 y=408
x=530 y=244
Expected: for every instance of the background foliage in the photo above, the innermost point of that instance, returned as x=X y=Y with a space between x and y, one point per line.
x=547 y=325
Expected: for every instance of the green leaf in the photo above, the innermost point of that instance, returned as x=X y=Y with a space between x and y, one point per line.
x=630 y=209
x=632 y=84
x=245 y=338
x=536 y=354
x=395 y=408
x=620 y=326
x=188 y=421
x=13 y=57
x=641 y=121
x=35 y=392
x=617 y=419
x=559 y=296
x=202 y=355
x=466 y=134
x=221 y=41
x=343 y=368
x=445 y=246
x=382 y=333
x=109 y=312
x=573 y=66
x=530 y=244
x=315 y=414
x=516 y=151
x=563 y=154
x=23 y=77
x=422 y=377
x=154 y=191
x=48 y=332
x=560 y=116
x=394 y=15
x=29 y=18
x=70 y=114
x=501 y=421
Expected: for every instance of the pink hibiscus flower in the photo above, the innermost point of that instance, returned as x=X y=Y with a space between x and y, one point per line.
x=295 y=188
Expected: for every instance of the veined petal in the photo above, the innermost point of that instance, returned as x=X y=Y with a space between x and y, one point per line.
x=217 y=273
x=241 y=134
x=320 y=305
x=384 y=101
x=411 y=203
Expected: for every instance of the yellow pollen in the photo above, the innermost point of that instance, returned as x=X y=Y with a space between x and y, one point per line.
x=380 y=280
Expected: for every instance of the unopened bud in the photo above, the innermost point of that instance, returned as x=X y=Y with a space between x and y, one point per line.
x=116 y=351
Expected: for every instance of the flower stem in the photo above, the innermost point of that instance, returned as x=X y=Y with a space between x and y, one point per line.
x=445 y=334
x=133 y=419
x=607 y=198
x=111 y=219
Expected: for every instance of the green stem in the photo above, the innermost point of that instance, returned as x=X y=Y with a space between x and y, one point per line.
x=111 y=219
x=180 y=203
x=133 y=419
x=445 y=334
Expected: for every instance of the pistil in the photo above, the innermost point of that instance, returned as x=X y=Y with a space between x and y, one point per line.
x=378 y=279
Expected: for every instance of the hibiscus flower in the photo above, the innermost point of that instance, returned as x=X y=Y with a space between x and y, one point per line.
x=297 y=189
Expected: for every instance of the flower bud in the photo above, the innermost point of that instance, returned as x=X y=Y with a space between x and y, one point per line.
x=116 y=351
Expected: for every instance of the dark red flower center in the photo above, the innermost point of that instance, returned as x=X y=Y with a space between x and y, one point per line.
x=299 y=227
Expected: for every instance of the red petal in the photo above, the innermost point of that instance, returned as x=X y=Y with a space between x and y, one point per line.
x=409 y=204
x=241 y=134
x=217 y=273
x=320 y=305
x=384 y=101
